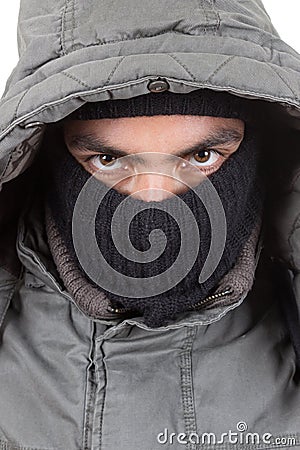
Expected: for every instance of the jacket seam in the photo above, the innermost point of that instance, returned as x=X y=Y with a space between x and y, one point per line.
x=114 y=70
x=218 y=17
x=73 y=23
x=90 y=391
x=88 y=410
x=224 y=63
x=82 y=83
x=285 y=82
x=278 y=52
x=269 y=64
x=19 y=103
x=60 y=35
x=64 y=25
x=70 y=96
x=186 y=384
x=172 y=31
x=103 y=398
x=201 y=4
x=108 y=78
x=182 y=65
x=78 y=47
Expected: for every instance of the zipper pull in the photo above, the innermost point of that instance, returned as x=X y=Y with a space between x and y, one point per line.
x=113 y=310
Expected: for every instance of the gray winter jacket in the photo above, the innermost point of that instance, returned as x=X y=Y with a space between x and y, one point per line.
x=223 y=378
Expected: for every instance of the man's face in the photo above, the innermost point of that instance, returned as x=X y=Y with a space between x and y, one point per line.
x=112 y=148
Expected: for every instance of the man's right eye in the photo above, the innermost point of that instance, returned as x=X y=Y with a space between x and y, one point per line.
x=104 y=161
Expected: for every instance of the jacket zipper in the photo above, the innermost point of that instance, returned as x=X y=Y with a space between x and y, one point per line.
x=118 y=310
x=205 y=301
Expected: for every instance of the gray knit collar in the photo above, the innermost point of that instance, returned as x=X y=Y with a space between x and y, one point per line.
x=95 y=304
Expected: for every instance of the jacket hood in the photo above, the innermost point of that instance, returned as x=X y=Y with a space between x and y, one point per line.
x=72 y=52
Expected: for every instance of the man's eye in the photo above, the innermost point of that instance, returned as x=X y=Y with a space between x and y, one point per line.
x=105 y=162
x=204 y=158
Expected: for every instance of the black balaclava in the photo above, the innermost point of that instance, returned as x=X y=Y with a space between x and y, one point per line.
x=237 y=183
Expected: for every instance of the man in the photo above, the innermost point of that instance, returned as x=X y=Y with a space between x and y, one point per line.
x=149 y=277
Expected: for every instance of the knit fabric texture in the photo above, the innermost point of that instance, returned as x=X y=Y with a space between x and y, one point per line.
x=238 y=281
x=240 y=191
x=205 y=102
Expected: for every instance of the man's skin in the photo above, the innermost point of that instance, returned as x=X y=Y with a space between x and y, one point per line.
x=160 y=134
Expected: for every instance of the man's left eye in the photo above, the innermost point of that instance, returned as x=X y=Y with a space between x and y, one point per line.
x=204 y=158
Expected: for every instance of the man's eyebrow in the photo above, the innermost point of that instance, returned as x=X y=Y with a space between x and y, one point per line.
x=222 y=136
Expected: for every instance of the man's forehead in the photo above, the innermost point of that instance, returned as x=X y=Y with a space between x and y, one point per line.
x=173 y=120
x=94 y=136
x=224 y=136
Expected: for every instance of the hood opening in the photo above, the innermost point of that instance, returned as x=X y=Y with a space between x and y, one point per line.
x=281 y=165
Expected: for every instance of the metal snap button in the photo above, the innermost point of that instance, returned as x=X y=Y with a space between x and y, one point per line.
x=32 y=124
x=158 y=85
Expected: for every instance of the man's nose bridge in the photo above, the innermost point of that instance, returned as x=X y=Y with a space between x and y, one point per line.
x=155 y=180
x=154 y=186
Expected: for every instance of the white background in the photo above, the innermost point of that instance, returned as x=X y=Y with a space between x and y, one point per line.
x=285 y=16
